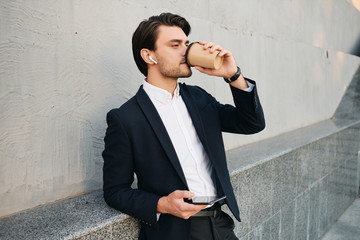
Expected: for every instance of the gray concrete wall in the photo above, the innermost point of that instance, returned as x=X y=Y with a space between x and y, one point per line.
x=64 y=64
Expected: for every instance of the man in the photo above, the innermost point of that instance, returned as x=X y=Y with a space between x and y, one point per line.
x=169 y=135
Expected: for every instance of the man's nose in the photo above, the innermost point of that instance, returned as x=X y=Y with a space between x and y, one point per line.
x=184 y=49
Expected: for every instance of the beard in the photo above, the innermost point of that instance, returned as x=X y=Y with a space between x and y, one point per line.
x=177 y=71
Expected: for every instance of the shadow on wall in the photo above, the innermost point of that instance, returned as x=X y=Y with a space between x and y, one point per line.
x=349 y=107
x=356 y=49
x=115 y=84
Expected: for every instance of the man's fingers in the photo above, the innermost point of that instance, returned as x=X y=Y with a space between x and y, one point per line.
x=208 y=71
x=183 y=194
x=208 y=45
x=213 y=47
x=224 y=51
x=200 y=207
x=176 y=206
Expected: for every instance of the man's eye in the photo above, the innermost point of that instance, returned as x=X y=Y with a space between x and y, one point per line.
x=175 y=45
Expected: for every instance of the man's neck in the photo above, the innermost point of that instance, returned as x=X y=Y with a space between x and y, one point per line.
x=168 y=84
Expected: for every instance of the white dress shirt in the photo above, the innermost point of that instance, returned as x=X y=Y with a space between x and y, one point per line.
x=194 y=161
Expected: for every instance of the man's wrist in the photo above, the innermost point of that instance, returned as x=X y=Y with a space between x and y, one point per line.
x=234 y=77
x=240 y=83
x=160 y=205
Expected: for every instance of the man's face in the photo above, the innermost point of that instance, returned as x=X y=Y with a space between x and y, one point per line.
x=171 y=45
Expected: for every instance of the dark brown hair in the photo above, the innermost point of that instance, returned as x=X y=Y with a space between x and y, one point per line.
x=146 y=34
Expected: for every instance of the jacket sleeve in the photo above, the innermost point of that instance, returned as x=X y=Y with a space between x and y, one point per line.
x=247 y=117
x=118 y=175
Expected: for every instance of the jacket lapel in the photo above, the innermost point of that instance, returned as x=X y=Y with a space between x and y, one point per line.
x=195 y=117
x=199 y=127
x=157 y=125
x=220 y=184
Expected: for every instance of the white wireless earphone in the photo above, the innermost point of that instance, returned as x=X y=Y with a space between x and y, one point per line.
x=152 y=60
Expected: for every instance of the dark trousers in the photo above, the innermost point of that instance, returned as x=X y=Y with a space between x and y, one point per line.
x=218 y=227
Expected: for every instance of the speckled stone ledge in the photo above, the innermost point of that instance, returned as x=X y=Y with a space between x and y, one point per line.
x=295 y=186
x=262 y=151
x=88 y=217
x=73 y=218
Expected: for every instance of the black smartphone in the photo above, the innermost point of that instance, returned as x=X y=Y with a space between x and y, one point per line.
x=204 y=200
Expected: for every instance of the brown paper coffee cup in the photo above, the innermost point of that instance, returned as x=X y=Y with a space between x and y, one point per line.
x=196 y=56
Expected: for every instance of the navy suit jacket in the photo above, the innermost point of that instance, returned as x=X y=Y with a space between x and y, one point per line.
x=137 y=142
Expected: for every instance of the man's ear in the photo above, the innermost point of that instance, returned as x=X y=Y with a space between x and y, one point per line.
x=146 y=54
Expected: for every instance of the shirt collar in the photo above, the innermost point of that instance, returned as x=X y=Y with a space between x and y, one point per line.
x=159 y=94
